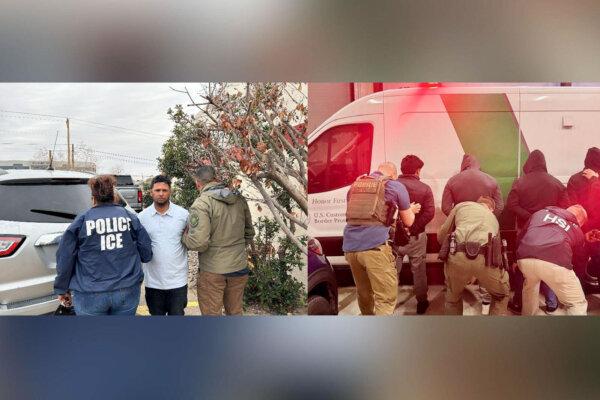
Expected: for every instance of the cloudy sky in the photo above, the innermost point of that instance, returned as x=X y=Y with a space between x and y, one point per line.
x=137 y=113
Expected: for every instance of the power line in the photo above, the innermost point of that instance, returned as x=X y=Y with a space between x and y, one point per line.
x=36 y=114
x=118 y=127
x=28 y=115
x=124 y=155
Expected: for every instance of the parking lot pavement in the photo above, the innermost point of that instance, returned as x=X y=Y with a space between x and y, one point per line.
x=407 y=303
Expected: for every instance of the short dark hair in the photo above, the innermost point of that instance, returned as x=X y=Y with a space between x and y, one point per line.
x=205 y=174
x=160 y=179
x=410 y=164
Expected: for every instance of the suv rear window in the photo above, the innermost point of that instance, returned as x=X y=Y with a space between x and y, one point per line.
x=44 y=200
x=338 y=156
x=124 y=180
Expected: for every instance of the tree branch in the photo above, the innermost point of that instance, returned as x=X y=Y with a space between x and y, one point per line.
x=277 y=217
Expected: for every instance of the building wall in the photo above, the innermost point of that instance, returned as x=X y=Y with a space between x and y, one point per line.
x=324 y=99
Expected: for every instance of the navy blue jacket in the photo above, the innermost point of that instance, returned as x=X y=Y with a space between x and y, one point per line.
x=553 y=235
x=102 y=250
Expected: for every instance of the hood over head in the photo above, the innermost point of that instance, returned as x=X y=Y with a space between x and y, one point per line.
x=592 y=159
x=535 y=162
x=469 y=162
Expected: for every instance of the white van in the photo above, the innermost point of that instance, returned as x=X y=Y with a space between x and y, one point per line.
x=499 y=125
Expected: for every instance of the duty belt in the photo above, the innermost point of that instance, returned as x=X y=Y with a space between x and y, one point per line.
x=463 y=248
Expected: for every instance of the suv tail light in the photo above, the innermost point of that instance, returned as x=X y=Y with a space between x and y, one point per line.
x=9 y=244
x=315 y=246
x=140 y=196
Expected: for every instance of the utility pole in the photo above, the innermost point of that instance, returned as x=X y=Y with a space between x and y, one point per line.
x=69 y=166
x=72 y=156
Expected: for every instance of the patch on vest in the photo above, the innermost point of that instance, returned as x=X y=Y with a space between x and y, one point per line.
x=194 y=220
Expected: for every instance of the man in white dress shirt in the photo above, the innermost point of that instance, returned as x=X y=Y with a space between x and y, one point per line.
x=166 y=275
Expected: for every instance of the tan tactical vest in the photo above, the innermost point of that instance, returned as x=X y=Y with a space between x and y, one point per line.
x=366 y=203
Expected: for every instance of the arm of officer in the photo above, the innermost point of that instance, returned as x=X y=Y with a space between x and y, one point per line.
x=197 y=235
x=447 y=200
x=143 y=241
x=248 y=227
x=512 y=204
x=402 y=200
x=66 y=257
x=498 y=200
x=445 y=228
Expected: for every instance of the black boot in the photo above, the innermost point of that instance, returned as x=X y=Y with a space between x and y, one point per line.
x=422 y=306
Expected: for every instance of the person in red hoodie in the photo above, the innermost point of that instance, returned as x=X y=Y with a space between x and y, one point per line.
x=533 y=191
x=584 y=188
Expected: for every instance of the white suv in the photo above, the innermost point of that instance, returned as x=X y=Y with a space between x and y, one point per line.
x=36 y=207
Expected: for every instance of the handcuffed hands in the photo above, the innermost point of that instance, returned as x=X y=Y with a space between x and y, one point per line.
x=415 y=207
x=65 y=299
x=593 y=236
x=589 y=173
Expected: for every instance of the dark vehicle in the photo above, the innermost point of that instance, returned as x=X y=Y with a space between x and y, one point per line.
x=322 y=285
x=130 y=192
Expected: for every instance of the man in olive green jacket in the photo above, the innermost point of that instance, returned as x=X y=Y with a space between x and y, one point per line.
x=219 y=229
x=472 y=221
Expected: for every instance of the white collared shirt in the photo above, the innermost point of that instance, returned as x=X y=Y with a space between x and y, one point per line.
x=168 y=268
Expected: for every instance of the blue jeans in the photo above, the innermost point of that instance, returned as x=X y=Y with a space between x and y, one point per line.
x=551 y=300
x=116 y=302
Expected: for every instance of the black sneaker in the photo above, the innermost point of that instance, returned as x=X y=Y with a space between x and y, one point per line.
x=549 y=310
x=515 y=308
x=422 y=306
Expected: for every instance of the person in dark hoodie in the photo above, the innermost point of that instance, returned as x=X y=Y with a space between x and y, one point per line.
x=100 y=254
x=530 y=193
x=469 y=185
x=416 y=248
x=220 y=230
x=584 y=188
x=551 y=245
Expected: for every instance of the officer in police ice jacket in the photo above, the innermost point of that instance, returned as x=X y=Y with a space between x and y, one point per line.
x=100 y=254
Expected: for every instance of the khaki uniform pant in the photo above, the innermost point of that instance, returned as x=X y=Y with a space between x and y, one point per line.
x=459 y=271
x=562 y=281
x=376 y=279
x=217 y=290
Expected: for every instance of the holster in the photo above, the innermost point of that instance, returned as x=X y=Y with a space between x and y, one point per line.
x=401 y=238
x=493 y=255
x=445 y=248
x=497 y=252
x=391 y=213
x=472 y=250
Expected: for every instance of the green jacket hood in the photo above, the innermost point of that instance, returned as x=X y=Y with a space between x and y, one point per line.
x=220 y=192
